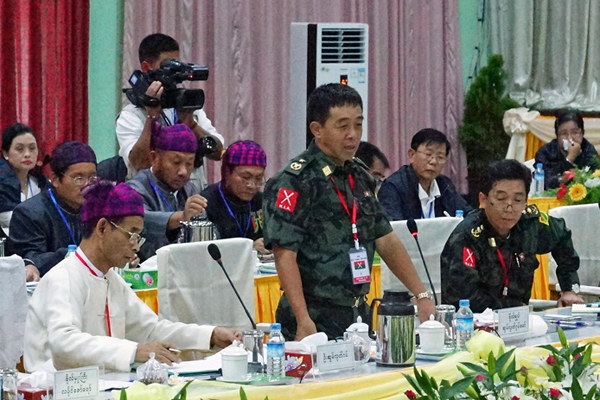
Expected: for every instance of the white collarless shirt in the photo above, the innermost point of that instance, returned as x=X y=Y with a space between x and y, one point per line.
x=428 y=200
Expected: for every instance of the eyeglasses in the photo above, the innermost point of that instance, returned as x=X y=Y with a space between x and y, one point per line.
x=252 y=182
x=134 y=238
x=430 y=157
x=504 y=203
x=82 y=180
x=573 y=133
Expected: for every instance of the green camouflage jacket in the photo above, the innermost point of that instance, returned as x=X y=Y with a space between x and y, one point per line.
x=303 y=213
x=471 y=267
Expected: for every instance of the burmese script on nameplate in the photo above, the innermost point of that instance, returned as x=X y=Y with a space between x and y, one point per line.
x=513 y=321
x=79 y=383
x=334 y=356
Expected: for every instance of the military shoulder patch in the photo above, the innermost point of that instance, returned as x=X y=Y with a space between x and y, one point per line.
x=286 y=199
x=532 y=209
x=477 y=231
x=469 y=257
x=296 y=166
x=544 y=219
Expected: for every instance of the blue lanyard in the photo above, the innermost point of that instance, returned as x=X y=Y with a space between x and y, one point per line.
x=168 y=121
x=430 y=211
x=62 y=215
x=162 y=196
x=243 y=234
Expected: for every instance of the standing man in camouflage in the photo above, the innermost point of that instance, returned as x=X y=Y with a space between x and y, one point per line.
x=323 y=222
x=490 y=257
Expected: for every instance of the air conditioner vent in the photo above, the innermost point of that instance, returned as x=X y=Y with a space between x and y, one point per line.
x=342 y=46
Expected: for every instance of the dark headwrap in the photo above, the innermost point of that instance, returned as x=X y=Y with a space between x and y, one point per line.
x=105 y=199
x=68 y=153
x=178 y=137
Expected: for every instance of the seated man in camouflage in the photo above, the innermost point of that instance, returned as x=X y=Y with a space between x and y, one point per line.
x=490 y=257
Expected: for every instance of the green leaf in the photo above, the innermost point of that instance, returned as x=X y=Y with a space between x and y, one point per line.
x=502 y=360
x=182 y=395
x=562 y=337
x=591 y=393
x=491 y=364
x=576 y=390
x=243 y=394
x=476 y=368
x=123 y=395
x=458 y=387
x=414 y=384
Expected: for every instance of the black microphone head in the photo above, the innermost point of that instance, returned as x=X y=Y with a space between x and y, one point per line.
x=412 y=226
x=214 y=251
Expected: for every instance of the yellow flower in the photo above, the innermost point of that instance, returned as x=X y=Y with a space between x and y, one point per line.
x=577 y=192
x=596 y=173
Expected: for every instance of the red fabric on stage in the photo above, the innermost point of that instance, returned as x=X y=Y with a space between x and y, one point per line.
x=43 y=68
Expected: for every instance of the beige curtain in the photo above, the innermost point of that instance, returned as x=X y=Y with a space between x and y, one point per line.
x=551 y=50
x=414 y=66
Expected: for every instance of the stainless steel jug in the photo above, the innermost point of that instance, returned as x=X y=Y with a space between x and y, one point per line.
x=395 y=329
x=197 y=231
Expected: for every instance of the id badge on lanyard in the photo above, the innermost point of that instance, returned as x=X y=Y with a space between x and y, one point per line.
x=359 y=260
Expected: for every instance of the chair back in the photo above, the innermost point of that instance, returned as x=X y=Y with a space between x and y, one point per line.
x=13 y=310
x=433 y=234
x=192 y=287
x=583 y=221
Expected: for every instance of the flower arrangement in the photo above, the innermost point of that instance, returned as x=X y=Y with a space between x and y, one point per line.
x=579 y=186
x=544 y=373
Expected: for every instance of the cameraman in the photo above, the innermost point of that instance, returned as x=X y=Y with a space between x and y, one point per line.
x=133 y=123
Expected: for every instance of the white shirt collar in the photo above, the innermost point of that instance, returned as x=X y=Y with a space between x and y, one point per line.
x=89 y=263
x=428 y=200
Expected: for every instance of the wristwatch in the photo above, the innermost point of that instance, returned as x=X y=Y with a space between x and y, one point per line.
x=424 y=295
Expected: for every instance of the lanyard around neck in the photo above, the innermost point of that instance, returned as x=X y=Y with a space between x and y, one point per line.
x=62 y=215
x=106 y=310
x=245 y=232
x=504 y=271
x=345 y=205
x=162 y=196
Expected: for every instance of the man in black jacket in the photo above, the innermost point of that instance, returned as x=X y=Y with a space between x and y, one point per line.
x=419 y=190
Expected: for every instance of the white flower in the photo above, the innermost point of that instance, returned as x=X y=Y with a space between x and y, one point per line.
x=592 y=182
x=586 y=169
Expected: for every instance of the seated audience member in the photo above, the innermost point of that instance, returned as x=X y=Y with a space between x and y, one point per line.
x=236 y=201
x=169 y=196
x=580 y=153
x=82 y=313
x=490 y=257
x=133 y=123
x=44 y=226
x=419 y=190
x=19 y=178
x=375 y=160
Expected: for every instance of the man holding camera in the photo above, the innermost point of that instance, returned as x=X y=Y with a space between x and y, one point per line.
x=133 y=123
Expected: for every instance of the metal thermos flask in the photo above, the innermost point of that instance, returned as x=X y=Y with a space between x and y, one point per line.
x=395 y=329
x=197 y=231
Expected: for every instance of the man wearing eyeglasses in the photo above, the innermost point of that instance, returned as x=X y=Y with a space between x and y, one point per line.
x=169 y=196
x=43 y=227
x=419 y=190
x=490 y=257
x=82 y=313
x=236 y=201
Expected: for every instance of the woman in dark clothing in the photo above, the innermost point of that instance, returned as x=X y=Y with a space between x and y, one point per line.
x=235 y=203
x=20 y=178
x=569 y=150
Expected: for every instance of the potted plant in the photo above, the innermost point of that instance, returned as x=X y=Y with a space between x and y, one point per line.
x=482 y=133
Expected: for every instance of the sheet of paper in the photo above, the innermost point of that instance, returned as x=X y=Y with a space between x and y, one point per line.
x=209 y=364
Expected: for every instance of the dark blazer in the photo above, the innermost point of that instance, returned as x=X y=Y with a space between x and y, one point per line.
x=10 y=187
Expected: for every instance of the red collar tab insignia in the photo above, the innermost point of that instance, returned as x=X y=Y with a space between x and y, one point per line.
x=469 y=257
x=286 y=199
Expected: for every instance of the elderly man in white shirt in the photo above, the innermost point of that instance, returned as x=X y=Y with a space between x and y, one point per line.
x=83 y=313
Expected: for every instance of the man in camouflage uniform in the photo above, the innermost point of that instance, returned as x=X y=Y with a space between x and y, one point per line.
x=308 y=208
x=490 y=257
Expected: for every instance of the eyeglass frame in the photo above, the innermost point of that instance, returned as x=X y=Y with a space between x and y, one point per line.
x=504 y=204
x=140 y=239
x=572 y=133
x=84 y=181
x=251 y=182
x=435 y=157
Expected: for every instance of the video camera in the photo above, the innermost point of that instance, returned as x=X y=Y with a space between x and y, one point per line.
x=170 y=73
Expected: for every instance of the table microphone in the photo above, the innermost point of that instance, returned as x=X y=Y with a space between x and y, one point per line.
x=414 y=231
x=215 y=253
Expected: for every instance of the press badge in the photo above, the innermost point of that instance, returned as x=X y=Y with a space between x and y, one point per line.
x=359 y=264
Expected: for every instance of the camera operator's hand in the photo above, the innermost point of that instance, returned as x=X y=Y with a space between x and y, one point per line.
x=186 y=116
x=154 y=90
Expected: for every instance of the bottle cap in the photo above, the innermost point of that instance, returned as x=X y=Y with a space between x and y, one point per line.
x=464 y=303
x=539 y=165
x=275 y=326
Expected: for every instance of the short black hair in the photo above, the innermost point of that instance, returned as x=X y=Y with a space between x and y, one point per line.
x=328 y=96
x=89 y=226
x=12 y=132
x=505 y=169
x=566 y=115
x=367 y=152
x=152 y=46
x=427 y=136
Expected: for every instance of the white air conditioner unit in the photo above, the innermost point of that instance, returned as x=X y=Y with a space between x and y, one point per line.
x=319 y=54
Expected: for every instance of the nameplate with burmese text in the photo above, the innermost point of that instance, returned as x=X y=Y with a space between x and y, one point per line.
x=79 y=383
x=334 y=356
x=513 y=321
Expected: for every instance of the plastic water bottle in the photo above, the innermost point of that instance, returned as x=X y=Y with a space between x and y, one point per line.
x=459 y=213
x=70 y=250
x=539 y=176
x=463 y=320
x=275 y=352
